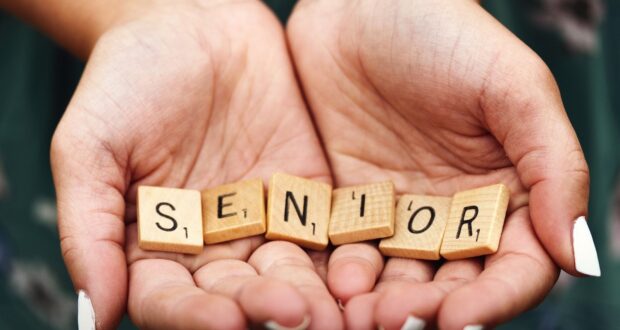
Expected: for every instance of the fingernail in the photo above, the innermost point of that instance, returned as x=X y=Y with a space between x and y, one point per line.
x=474 y=327
x=413 y=323
x=273 y=325
x=586 y=259
x=86 y=313
x=340 y=305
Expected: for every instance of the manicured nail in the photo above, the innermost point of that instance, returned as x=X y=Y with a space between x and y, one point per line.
x=474 y=327
x=273 y=325
x=586 y=259
x=86 y=313
x=413 y=323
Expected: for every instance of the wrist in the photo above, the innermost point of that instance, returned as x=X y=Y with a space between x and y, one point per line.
x=115 y=13
x=80 y=33
x=76 y=25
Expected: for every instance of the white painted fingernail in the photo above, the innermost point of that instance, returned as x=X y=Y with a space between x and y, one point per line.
x=586 y=259
x=474 y=327
x=413 y=323
x=273 y=325
x=86 y=313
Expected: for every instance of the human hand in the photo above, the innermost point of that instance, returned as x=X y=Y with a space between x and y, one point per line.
x=186 y=94
x=439 y=97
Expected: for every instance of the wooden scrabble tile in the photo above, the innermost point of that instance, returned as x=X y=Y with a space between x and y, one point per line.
x=475 y=223
x=419 y=227
x=169 y=220
x=233 y=211
x=298 y=211
x=362 y=213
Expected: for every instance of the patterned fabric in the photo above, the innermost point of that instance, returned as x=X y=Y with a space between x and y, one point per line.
x=577 y=39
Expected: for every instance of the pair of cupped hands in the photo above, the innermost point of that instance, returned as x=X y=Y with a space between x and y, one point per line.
x=436 y=96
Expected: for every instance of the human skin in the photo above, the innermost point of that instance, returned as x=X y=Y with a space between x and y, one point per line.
x=439 y=97
x=187 y=94
x=197 y=93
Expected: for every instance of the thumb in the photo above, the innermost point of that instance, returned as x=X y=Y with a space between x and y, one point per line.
x=523 y=109
x=90 y=188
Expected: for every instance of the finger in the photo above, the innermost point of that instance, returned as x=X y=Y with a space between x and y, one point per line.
x=240 y=249
x=516 y=278
x=353 y=269
x=262 y=299
x=524 y=110
x=359 y=311
x=409 y=293
x=285 y=261
x=162 y=295
x=89 y=181
x=406 y=270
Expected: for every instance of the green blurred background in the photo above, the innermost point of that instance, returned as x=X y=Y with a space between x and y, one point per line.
x=578 y=39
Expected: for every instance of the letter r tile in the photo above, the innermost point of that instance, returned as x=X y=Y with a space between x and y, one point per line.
x=475 y=223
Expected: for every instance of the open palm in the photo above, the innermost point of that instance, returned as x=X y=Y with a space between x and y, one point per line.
x=190 y=95
x=439 y=97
